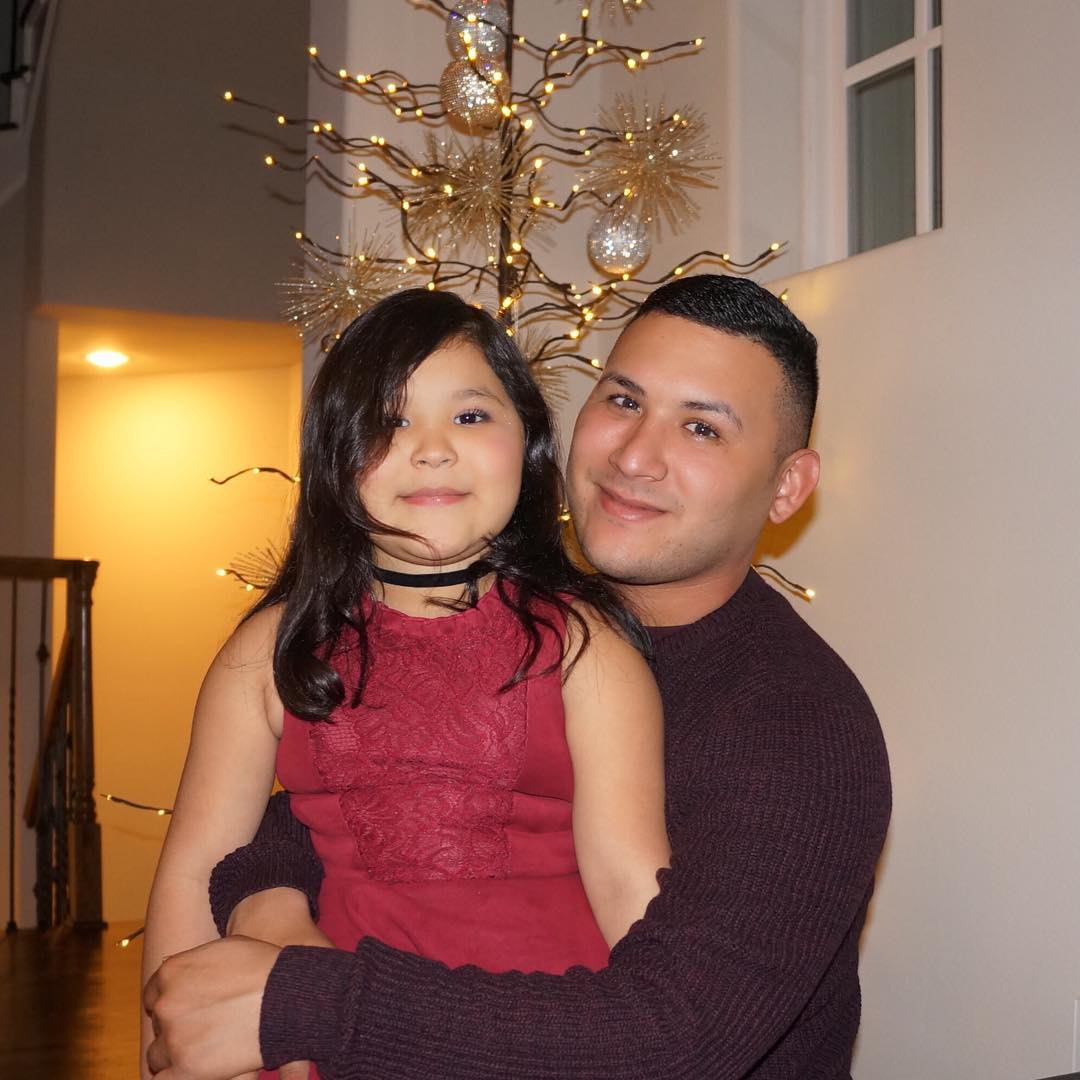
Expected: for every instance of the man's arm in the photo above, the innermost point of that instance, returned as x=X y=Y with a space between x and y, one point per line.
x=280 y=856
x=749 y=918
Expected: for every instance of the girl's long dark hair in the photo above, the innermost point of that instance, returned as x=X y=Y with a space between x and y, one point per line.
x=347 y=428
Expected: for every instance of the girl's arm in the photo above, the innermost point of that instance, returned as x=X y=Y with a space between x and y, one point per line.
x=223 y=792
x=614 y=728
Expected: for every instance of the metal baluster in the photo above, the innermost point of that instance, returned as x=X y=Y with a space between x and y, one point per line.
x=11 y=926
x=43 y=655
x=62 y=805
x=43 y=886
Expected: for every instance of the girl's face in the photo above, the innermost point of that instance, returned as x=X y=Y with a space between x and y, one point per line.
x=452 y=474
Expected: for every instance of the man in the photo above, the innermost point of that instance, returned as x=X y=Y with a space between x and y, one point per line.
x=745 y=964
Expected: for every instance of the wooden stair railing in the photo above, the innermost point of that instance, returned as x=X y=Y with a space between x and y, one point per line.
x=60 y=800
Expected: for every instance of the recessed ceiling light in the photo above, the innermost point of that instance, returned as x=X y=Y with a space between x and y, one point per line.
x=106 y=358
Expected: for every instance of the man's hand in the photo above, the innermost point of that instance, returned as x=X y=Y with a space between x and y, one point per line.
x=205 y=1006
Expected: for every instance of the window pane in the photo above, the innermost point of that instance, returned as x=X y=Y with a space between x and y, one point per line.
x=935 y=136
x=935 y=13
x=881 y=158
x=876 y=25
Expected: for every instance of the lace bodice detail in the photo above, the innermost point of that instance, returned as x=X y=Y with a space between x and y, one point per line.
x=425 y=768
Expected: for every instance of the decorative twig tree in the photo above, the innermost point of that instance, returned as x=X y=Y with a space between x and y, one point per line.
x=471 y=200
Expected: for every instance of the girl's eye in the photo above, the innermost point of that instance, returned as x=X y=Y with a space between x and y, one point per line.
x=398 y=422
x=623 y=401
x=472 y=416
x=697 y=427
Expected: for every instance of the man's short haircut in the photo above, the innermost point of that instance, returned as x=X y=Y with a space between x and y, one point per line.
x=743 y=308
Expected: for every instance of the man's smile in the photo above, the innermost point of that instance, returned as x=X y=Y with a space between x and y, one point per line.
x=625 y=508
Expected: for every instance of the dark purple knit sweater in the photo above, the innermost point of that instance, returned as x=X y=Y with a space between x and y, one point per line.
x=745 y=965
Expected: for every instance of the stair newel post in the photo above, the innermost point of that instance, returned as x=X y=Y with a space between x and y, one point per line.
x=84 y=831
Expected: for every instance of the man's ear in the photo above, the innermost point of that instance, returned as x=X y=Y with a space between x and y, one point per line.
x=797 y=479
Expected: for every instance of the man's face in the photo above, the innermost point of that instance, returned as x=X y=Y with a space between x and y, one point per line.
x=673 y=469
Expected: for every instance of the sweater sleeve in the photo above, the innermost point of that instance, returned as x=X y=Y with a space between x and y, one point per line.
x=770 y=877
x=280 y=855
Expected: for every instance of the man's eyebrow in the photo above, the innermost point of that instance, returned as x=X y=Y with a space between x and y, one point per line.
x=721 y=407
x=624 y=382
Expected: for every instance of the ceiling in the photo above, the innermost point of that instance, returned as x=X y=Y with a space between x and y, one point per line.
x=167 y=344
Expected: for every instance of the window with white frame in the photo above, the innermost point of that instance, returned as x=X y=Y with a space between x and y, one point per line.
x=892 y=116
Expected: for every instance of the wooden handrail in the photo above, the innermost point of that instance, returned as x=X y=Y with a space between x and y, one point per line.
x=33 y=568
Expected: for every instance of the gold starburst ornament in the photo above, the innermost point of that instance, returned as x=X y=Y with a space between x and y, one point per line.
x=330 y=291
x=532 y=340
x=653 y=161
x=462 y=196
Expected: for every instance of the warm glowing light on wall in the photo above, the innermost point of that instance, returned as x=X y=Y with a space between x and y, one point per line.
x=106 y=358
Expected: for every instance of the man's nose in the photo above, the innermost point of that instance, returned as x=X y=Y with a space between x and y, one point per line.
x=640 y=453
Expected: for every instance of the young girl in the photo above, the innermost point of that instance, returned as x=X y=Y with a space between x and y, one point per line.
x=455 y=709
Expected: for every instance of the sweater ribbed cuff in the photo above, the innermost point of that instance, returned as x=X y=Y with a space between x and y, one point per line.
x=304 y=1003
x=280 y=856
x=258 y=867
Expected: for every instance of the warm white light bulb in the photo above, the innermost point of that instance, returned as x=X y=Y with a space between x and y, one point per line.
x=106 y=358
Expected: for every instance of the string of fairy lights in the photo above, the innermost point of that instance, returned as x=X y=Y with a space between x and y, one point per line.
x=157 y=811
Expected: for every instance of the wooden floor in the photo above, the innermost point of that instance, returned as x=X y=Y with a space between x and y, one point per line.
x=69 y=1005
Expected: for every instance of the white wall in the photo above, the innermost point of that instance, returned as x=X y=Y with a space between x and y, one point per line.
x=155 y=194
x=134 y=453
x=941 y=548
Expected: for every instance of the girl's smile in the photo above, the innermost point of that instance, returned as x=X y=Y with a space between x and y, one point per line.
x=434 y=497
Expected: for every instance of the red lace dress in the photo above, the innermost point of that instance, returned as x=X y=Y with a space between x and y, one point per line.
x=441 y=808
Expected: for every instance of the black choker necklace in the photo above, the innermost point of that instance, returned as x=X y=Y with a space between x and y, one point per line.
x=423 y=581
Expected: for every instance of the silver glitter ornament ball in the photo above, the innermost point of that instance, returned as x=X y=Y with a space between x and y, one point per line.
x=486 y=32
x=619 y=242
x=474 y=98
